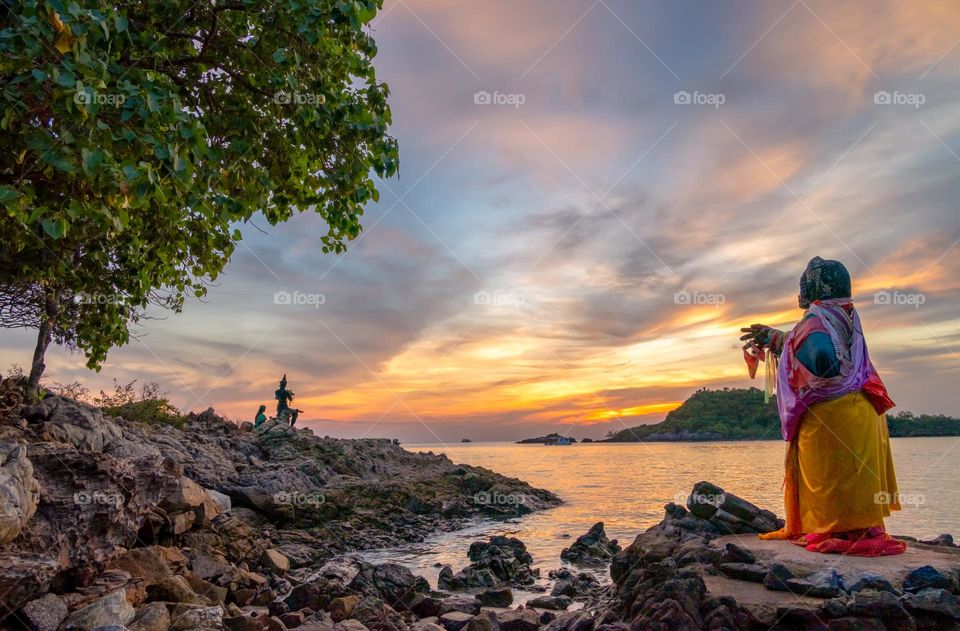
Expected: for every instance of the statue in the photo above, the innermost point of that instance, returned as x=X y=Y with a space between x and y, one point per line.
x=284 y=397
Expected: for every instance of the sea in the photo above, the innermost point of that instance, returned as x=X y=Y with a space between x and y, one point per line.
x=626 y=485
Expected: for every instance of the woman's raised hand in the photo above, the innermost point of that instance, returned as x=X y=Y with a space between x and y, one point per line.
x=755 y=334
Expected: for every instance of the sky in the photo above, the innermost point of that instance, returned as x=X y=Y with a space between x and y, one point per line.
x=593 y=197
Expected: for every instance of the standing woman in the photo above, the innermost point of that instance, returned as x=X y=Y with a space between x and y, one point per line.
x=839 y=478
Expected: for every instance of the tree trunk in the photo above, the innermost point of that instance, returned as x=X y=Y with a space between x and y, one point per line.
x=44 y=336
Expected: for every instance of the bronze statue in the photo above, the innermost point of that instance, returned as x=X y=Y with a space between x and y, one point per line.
x=284 y=397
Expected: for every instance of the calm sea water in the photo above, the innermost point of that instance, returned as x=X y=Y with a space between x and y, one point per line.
x=626 y=485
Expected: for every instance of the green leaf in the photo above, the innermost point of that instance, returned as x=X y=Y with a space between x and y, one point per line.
x=56 y=228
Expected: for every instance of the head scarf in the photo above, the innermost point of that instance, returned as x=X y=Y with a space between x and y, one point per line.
x=824 y=280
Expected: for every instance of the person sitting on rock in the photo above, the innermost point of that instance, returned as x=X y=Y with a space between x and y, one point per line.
x=261 y=416
x=839 y=478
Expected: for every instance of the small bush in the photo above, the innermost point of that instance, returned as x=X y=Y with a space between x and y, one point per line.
x=149 y=406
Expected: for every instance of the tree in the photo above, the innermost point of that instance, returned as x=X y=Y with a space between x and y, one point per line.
x=136 y=135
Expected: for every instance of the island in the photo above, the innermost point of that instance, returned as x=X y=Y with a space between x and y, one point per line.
x=549 y=439
x=741 y=414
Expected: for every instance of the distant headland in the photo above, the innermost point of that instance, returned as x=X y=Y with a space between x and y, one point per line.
x=741 y=414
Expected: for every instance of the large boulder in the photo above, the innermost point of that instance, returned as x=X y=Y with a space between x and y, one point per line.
x=592 y=547
x=110 y=609
x=19 y=490
x=501 y=561
x=44 y=614
x=391 y=582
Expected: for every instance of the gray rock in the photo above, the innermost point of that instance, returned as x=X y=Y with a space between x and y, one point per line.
x=45 y=613
x=519 y=620
x=592 y=547
x=737 y=554
x=110 y=609
x=776 y=579
x=554 y=603
x=201 y=619
x=455 y=620
x=877 y=604
x=933 y=600
x=823 y=584
x=464 y=604
x=854 y=583
x=753 y=572
x=19 y=490
x=926 y=577
x=151 y=617
x=502 y=597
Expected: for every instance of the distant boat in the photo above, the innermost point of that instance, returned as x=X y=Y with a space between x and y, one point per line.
x=558 y=440
x=549 y=439
x=465 y=440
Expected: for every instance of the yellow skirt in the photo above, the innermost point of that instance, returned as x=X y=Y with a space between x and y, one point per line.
x=839 y=470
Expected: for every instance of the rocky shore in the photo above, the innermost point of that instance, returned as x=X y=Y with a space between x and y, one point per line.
x=112 y=525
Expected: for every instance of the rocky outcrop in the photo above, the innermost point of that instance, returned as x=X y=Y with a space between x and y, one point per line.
x=592 y=547
x=107 y=521
x=701 y=568
x=19 y=490
x=501 y=561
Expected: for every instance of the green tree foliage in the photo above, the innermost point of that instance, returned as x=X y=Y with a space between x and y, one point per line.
x=135 y=136
x=741 y=414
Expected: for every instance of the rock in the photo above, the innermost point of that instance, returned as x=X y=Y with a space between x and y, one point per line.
x=486 y=621
x=926 y=577
x=592 y=547
x=498 y=562
x=244 y=623
x=945 y=540
x=347 y=625
x=423 y=625
x=146 y=563
x=853 y=624
x=174 y=589
x=44 y=614
x=24 y=576
x=727 y=513
x=753 y=572
x=877 y=604
x=464 y=604
x=110 y=609
x=854 y=583
x=822 y=584
x=206 y=589
x=305 y=595
x=554 y=603
x=151 y=617
x=19 y=490
x=391 y=582
x=736 y=554
x=274 y=561
x=292 y=619
x=502 y=597
x=377 y=615
x=572 y=621
x=207 y=566
x=202 y=619
x=777 y=577
x=519 y=620
x=220 y=500
x=455 y=620
x=933 y=600
x=341 y=608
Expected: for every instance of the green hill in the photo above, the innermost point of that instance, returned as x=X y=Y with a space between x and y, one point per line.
x=741 y=414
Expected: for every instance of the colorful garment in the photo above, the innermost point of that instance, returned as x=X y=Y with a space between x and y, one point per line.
x=798 y=388
x=839 y=480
